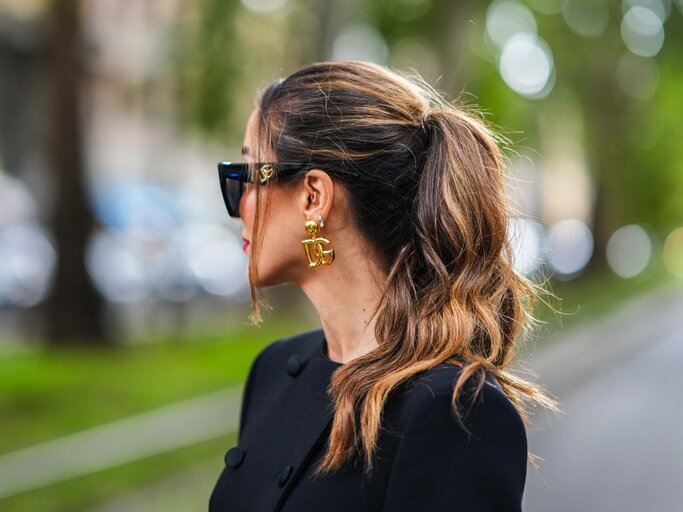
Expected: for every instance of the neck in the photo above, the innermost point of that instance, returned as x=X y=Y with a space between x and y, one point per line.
x=345 y=296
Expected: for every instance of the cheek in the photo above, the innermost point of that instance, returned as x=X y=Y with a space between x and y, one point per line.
x=248 y=206
x=282 y=254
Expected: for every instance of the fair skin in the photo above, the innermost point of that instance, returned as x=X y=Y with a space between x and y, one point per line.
x=344 y=293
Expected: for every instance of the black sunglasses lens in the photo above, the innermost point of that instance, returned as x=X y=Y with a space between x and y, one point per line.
x=233 y=194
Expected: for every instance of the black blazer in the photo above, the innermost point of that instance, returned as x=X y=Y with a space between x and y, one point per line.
x=425 y=460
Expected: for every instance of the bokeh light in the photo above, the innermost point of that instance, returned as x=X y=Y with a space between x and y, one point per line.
x=672 y=252
x=362 y=42
x=116 y=269
x=526 y=65
x=629 y=250
x=642 y=31
x=588 y=18
x=216 y=258
x=125 y=204
x=506 y=18
x=570 y=247
x=662 y=8
x=17 y=204
x=264 y=6
x=28 y=258
x=527 y=238
x=28 y=264
x=140 y=262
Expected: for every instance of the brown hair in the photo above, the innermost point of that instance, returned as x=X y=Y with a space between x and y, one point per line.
x=440 y=229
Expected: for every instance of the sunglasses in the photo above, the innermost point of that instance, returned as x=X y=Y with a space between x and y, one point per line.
x=233 y=176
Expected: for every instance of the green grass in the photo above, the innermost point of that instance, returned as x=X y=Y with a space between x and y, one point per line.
x=86 y=492
x=45 y=394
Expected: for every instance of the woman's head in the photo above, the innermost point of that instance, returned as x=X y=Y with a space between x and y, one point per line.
x=352 y=118
x=357 y=117
x=429 y=200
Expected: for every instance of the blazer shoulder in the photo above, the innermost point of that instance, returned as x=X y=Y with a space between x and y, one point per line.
x=478 y=464
x=441 y=379
x=435 y=387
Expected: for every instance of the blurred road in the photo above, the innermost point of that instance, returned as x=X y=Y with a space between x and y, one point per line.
x=619 y=444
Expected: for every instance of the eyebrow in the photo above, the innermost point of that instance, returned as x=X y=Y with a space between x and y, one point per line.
x=245 y=150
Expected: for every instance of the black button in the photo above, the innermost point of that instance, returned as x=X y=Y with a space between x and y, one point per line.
x=234 y=457
x=295 y=365
x=284 y=475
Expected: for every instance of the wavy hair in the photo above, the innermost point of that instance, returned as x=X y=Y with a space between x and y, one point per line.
x=440 y=230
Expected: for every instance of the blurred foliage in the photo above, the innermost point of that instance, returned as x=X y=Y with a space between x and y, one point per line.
x=655 y=156
x=208 y=63
x=631 y=144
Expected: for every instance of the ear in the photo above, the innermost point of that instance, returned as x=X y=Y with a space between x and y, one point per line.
x=317 y=193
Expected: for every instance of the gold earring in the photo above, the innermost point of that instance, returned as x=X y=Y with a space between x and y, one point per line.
x=313 y=247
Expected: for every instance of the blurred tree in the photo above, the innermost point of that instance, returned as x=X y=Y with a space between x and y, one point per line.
x=630 y=144
x=654 y=181
x=444 y=24
x=621 y=140
x=20 y=52
x=585 y=69
x=319 y=21
x=74 y=308
x=207 y=56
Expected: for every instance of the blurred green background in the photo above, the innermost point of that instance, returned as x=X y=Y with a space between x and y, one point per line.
x=122 y=285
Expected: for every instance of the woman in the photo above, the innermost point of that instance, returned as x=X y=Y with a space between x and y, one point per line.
x=386 y=205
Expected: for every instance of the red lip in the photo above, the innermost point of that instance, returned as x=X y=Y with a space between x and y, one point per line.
x=245 y=244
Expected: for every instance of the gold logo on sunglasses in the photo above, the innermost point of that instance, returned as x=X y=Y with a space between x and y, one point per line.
x=265 y=173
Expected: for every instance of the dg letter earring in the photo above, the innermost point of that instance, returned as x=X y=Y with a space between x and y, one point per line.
x=316 y=254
